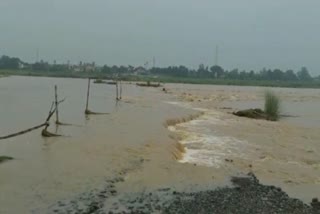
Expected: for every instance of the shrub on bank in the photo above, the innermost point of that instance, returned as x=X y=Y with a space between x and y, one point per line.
x=271 y=106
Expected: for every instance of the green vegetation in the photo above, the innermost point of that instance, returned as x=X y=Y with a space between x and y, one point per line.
x=272 y=106
x=173 y=74
x=5 y=158
x=99 y=81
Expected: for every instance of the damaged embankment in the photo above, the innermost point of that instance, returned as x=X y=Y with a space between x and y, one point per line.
x=246 y=195
x=178 y=148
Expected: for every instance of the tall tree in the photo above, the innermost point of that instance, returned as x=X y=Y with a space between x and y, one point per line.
x=217 y=71
x=304 y=75
x=7 y=62
x=233 y=74
x=290 y=75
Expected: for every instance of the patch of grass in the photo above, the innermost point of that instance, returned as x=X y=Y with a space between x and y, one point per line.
x=271 y=106
x=5 y=158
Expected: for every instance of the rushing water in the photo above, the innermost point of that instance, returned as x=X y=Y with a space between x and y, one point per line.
x=97 y=147
x=284 y=153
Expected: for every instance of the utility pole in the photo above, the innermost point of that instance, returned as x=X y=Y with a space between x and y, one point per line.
x=37 y=55
x=217 y=55
x=154 y=62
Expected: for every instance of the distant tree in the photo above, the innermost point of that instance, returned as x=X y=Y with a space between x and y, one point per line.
x=58 y=67
x=264 y=74
x=277 y=74
x=130 y=68
x=7 y=62
x=182 y=71
x=122 y=69
x=304 y=75
x=41 y=66
x=251 y=75
x=243 y=75
x=217 y=71
x=290 y=75
x=114 y=69
x=203 y=71
x=106 y=69
x=233 y=74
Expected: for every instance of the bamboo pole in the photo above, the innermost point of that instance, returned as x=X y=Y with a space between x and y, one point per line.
x=120 y=90
x=45 y=133
x=88 y=93
x=23 y=132
x=56 y=103
x=117 y=90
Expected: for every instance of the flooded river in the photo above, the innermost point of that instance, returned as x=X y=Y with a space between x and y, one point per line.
x=284 y=153
x=94 y=148
x=132 y=138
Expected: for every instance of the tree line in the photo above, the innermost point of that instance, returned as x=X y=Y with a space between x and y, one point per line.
x=217 y=72
x=213 y=72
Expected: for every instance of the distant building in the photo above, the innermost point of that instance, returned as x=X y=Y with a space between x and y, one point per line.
x=21 y=65
x=88 y=67
x=84 y=67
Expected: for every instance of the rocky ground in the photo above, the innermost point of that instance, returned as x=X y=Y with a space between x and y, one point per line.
x=246 y=195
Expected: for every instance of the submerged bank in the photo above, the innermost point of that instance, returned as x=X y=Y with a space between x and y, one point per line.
x=246 y=195
x=280 y=153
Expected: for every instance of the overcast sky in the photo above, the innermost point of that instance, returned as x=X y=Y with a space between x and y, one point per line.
x=251 y=34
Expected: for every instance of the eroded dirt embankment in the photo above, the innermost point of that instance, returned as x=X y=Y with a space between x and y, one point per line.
x=280 y=153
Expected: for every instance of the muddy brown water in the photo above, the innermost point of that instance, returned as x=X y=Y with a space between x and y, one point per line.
x=284 y=153
x=98 y=147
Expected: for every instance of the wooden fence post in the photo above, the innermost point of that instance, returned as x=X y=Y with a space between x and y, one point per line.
x=120 y=90
x=88 y=93
x=117 y=90
x=56 y=103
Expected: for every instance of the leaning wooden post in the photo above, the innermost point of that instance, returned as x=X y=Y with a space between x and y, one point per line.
x=56 y=103
x=88 y=93
x=45 y=132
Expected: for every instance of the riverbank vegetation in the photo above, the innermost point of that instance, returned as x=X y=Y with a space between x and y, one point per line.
x=5 y=158
x=271 y=109
x=271 y=106
x=173 y=74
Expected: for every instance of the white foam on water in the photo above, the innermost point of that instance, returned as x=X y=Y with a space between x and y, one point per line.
x=203 y=145
x=201 y=157
x=172 y=128
x=187 y=106
x=210 y=150
x=181 y=104
x=204 y=123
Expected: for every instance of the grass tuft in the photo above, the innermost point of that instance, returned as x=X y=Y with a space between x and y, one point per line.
x=272 y=106
x=5 y=158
